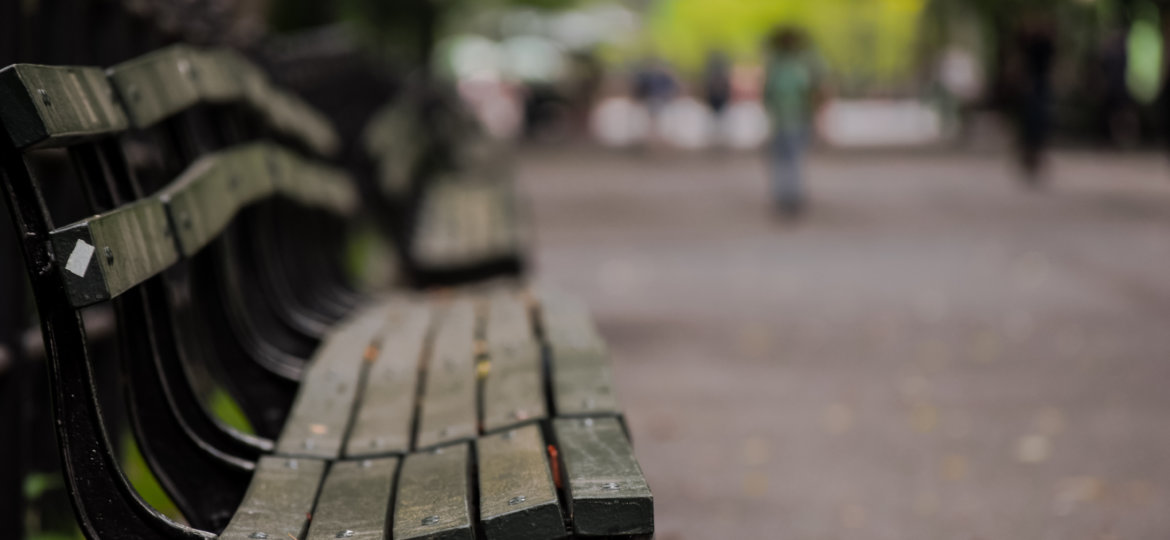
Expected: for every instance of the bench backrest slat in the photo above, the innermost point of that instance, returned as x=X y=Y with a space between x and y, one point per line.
x=208 y=195
x=48 y=106
x=313 y=184
x=164 y=83
x=157 y=85
x=106 y=255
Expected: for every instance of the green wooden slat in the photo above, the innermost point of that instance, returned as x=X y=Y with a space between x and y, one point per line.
x=105 y=255
x=285 y=112
x=448 y=410
x=279 y=500
x=517 y=497
x=433 y=499
x=215 y=77
x=582 y=380
x=581 y=371
x=384 y=418
x=566 y=320
x=157 y=85
x=207 y=196
x=608 y=494
x=301 y=119
x=47 y=106
x=313 y=184
x=252 y=79
x=321 y=413
x=355 y=500
x=513 y=391
x=390 y=138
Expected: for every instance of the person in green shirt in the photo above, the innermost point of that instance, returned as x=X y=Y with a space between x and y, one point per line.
x=791 y=94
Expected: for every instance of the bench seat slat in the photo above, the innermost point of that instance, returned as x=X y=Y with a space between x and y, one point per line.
x=513 y=390
x=320 y=415
x=384 y=417
x=517 y=497
x=354 y=500
x=581 y=371
x=433 y=500
x=448 y=410
x=608 y=494
x=279 y=500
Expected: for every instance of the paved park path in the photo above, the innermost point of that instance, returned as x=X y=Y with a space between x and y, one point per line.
x=933 y=354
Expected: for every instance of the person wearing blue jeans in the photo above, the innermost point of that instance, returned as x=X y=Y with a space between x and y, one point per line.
x=791 y=87
x=787 y=153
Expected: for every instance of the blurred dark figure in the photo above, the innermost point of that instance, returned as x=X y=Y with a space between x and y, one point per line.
x=1119 y=120
x=583 y=87
x=716 y=86
x=792 y=86
x=546 y=112
x=654 y=87
x=1031 y=77
x=717 y=82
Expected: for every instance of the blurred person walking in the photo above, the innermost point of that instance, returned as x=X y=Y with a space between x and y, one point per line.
x=1031 y=73
x=792 y=92
x=654 y=86
x=717 y=90
x=1119 y=117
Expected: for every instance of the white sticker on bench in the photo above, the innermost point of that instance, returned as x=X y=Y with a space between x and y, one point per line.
x=78 y=261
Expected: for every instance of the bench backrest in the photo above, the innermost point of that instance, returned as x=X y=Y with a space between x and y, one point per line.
x=137 y=236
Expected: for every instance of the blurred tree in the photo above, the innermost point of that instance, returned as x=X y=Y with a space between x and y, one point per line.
x=863 y=42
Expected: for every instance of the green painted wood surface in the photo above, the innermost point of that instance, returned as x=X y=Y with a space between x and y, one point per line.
x=581 y=371
x=386 y=414
x=608 y=494
x=214 y=76
x=290 y=114
x=279 y=500
x=312 y=183
x=209 y=194
x=463 y=221
x=45 y=106
x=448 y=410
x=355 y=500
x=105 y=255
x=517 y=496
x=157 y=85
x=433 y=500
x=513 y=390
x=320 y=415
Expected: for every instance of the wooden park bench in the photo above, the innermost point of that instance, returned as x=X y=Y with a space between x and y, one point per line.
x=216 y=233
x=461 y=217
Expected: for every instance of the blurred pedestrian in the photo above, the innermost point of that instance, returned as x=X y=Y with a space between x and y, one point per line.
x=792 y=91
x=717 y=88
x=1119 y=116
x=654 y=87
x=1031 y=77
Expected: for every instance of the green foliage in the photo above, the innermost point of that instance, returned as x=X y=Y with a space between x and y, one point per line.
x=1144 y=76
x=228 y=411
x=144 y=481
x=872 y=39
